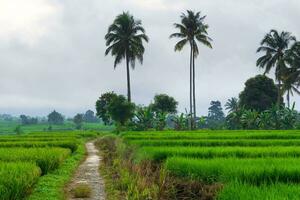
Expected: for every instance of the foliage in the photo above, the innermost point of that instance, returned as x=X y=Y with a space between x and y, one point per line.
x=232 y=105
x=55 y=118
x=78 y=120
x=259 y=94
x=102 y=106
x=164 y=104
x=192 y=29
x=90 y=117
x=124 y=40
x=144 y=118
x=215 y=118
x=121 y=110
x=27 y=120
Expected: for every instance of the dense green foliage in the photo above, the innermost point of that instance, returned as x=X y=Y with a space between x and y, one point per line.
x=260 y=93
x=55 y=118
x=164 y=104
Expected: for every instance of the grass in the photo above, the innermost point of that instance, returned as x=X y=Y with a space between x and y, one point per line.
x=242 y=191
x=161 y=153
x=51 y=186
x=216 y=142
x=17 y=179
x=8 y=127
x=246 y=164
x=46 y=158
x=82 y=190
x=255 y=171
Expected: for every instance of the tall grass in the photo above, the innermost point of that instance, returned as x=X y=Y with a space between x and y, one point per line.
x=216 y=142
x=161 y=153
x=242 y=191
x=17 y=179
x=46 y=158
x=72 y=145
x=254 y=171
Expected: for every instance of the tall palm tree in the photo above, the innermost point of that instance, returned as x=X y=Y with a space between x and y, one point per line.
x=192 y=29
x=124 y=40
x=276 y=49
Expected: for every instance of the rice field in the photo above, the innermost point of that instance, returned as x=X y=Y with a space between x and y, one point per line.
x=248 y=164
x=27 y=160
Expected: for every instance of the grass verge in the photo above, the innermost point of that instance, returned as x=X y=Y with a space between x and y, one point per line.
x=51 y=186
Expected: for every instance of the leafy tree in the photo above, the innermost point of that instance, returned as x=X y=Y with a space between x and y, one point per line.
x=78 y=120
x=124 y=40
x=276 y=48
x=164 y=104
x=89 y=116
x=55 y=118
x=102 y=106
x=259 y=94
x=121 y=110
x=192 y=29
x=27 y=120
x=231 y=104
x=215 y=118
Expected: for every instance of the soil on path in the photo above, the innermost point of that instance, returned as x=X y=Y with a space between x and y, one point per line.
x=88 y=173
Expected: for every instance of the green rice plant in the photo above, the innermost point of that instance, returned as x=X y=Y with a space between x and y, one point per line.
x=242 y=191
x=254 y=171
x=17 y=179
x=216 y=142
x=46 y=158
x=206 y=134
x=161 y=153
x=72 y=145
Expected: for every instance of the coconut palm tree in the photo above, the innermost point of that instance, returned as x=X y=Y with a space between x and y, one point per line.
x=124 y=40
x=192 y=29
x=276 y=47
x=231 y=105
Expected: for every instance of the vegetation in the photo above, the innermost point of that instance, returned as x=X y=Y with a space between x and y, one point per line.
x=220 y=164
x=124 y=40
x=192 y=29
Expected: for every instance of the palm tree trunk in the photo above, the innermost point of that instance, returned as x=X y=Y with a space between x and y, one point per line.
x=194 y=89
x=128 y=79
x=191 y=89
x=279 y=93
x=288 y=98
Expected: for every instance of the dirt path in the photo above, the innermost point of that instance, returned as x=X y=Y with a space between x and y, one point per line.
x=88 y=172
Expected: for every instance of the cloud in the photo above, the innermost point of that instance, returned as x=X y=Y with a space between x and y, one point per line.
x=27 y=20
x=52 y=52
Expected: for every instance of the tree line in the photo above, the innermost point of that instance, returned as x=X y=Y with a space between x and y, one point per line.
x=279 y=50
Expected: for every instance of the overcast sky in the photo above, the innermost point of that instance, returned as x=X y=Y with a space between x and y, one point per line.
x=52 y=51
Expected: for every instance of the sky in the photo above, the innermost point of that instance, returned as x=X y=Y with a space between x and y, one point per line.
x=52 y=51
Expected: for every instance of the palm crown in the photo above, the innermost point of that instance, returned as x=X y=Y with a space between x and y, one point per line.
x=125 y=39
x=276 y=47
x=191 y=30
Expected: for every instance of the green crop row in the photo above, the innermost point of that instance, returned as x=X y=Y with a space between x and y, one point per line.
x=46 y=158
x=242 y=191
x=294 y=134
x=72 y=145
x=216 y=142
x=17 y=179
x=253 y=171
x=161 y=153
